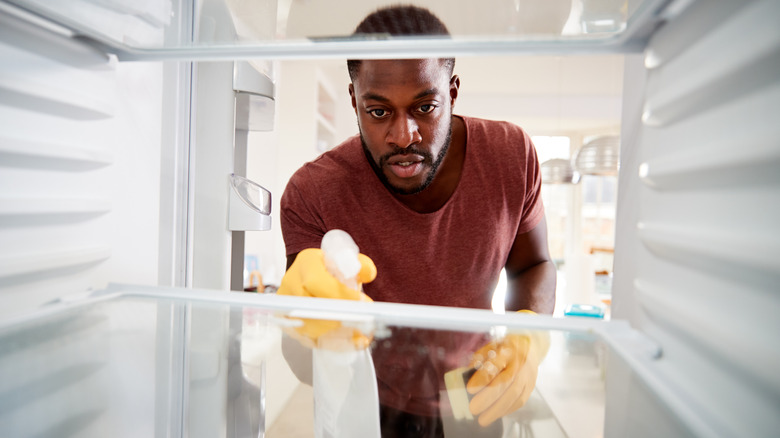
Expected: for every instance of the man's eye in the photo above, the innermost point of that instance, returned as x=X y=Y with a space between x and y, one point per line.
x=425 y=109
x=378 y=113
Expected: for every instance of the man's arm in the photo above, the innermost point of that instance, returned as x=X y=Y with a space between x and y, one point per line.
x=531 y=274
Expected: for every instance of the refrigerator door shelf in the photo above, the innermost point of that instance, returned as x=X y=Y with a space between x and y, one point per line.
x=255 y=106
x=250 y=205
x=247 y=79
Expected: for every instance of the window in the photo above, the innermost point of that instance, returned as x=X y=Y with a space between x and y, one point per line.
x=549 y=147
x=557 y=198
x=599 y=204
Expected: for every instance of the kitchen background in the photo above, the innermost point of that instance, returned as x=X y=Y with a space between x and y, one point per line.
x=563 y=102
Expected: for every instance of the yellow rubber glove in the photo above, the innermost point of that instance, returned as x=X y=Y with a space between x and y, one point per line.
x=308 y=277
x=505 y=374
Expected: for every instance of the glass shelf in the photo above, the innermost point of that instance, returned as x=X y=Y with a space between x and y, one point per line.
x=265 y=29
x=135 y=361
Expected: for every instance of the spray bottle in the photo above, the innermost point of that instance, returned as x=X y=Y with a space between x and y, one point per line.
x=346 y=398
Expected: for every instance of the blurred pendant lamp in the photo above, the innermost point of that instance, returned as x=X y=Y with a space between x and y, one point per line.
x=598 y=156
x=559 y=171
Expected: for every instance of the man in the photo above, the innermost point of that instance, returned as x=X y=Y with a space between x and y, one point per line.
x=440 y=202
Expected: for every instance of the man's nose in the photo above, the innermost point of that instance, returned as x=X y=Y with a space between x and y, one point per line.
x=404 y=131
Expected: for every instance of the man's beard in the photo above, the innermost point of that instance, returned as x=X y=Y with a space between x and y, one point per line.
x=428 y=161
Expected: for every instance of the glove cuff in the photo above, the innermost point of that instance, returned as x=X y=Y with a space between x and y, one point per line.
x=540 y=339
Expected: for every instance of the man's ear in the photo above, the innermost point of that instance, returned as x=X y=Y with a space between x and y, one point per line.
x=352 y=97
x=454 y=87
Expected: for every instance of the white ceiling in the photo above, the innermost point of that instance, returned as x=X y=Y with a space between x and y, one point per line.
x=544 y=94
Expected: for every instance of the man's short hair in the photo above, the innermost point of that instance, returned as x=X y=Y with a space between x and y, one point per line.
x=400 y=21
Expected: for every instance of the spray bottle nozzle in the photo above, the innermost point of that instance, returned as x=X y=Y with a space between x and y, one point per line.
x=341 y=257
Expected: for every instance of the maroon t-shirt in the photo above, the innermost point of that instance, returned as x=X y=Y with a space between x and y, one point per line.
x=451 y=257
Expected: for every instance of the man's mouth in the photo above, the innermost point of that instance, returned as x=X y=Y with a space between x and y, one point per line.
x=405 y=166
x=405 y=169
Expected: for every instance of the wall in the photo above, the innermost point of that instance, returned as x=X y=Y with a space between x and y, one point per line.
x=80 y=154
x=79 y=169
x=696 y=256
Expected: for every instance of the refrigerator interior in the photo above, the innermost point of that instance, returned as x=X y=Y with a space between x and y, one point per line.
x=119 y=137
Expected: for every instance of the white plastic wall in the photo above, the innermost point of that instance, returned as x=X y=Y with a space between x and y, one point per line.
x=696 y=261
x=79 y=168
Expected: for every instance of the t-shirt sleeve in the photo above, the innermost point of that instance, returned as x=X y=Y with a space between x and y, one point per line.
x=301 y=226
x=533 y=209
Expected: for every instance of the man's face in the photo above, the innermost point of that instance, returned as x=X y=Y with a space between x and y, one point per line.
x=404 y=113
